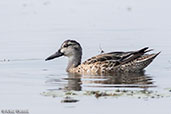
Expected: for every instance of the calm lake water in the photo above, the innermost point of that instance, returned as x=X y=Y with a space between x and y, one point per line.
x=32 y=30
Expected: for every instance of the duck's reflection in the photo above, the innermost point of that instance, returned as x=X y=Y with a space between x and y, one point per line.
x=74 y=82
x=128 y=80
x=131 y=80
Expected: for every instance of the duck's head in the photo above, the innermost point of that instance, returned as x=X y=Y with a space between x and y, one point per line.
x=69 y=48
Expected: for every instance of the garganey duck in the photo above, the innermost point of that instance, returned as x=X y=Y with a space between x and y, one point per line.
x=104 y=63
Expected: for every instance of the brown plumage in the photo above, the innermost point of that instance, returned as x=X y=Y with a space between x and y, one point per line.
x=106 y=63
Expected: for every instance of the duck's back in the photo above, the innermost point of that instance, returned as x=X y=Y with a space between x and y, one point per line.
x=109 y=63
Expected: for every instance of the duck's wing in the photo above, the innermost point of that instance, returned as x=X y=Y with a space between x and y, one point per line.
x=126 y=58
x=118 y=57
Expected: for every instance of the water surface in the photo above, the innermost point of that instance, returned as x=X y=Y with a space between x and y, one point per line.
x=31 y=30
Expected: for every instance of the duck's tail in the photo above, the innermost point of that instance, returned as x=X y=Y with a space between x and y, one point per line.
x=142 y=62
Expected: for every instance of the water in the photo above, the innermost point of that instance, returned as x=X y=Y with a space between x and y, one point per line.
x=31 y=30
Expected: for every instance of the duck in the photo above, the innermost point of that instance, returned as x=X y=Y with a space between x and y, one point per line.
x=104 y=63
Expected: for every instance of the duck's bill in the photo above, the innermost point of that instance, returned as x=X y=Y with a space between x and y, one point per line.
x=57 y=54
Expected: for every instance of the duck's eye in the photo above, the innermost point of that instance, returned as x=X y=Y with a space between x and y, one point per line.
x=66 y=45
